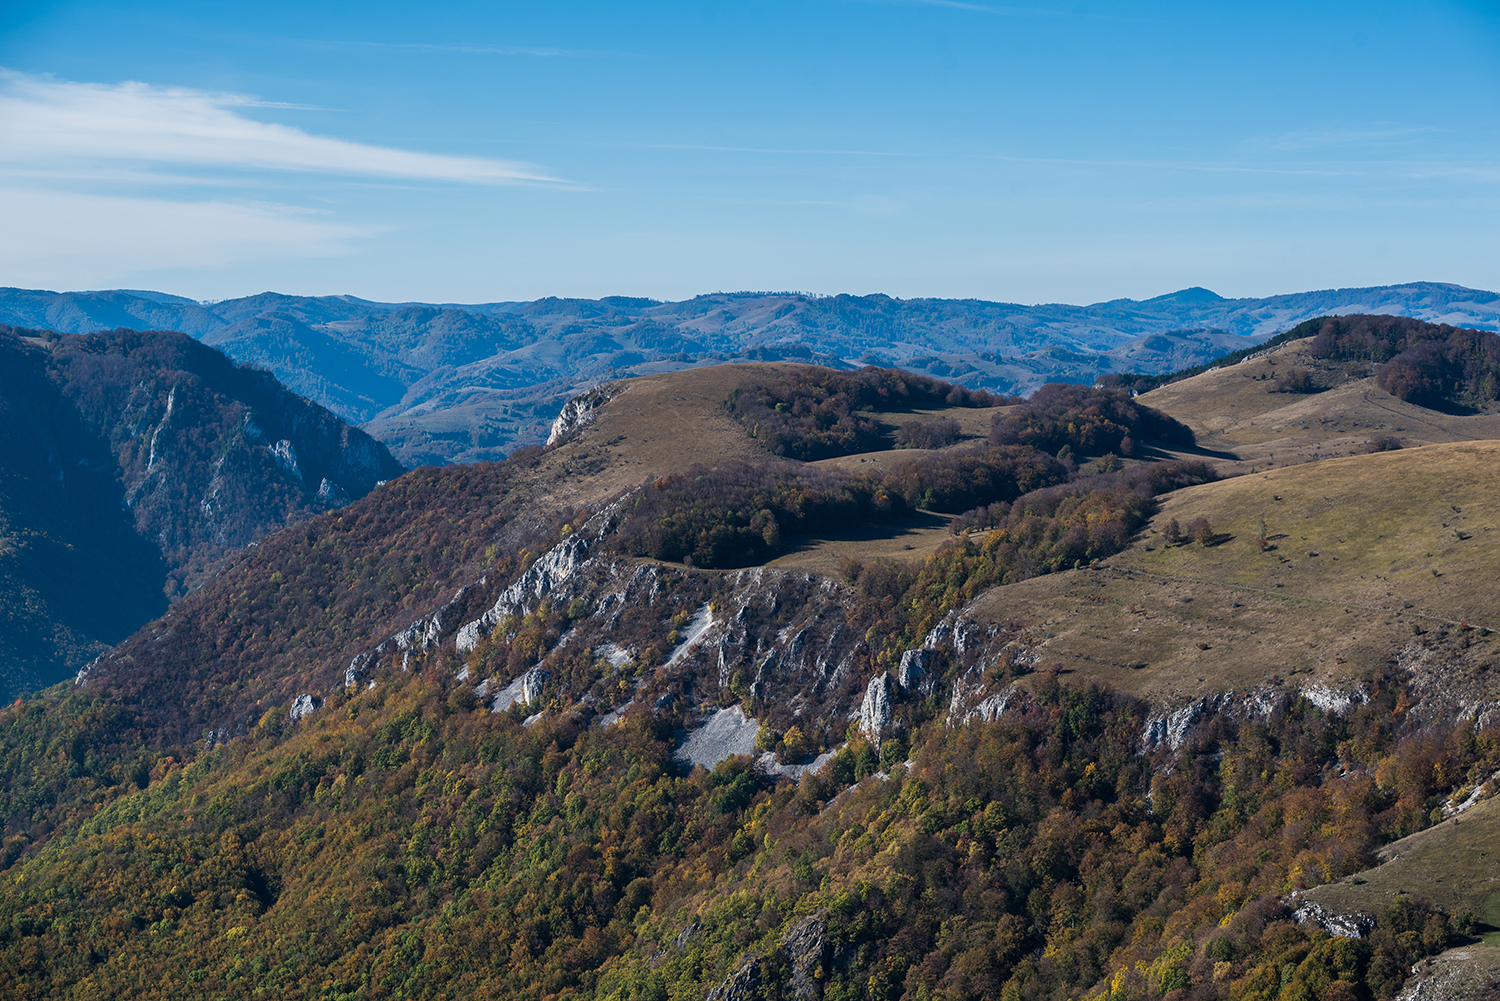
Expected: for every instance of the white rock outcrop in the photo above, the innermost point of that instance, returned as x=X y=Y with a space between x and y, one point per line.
x=286 y=457
x=579 y=411
x=525 y=690
x=1355 y=925
x=540 y=579
x=725 y=733
x=875 y=711
x=915 y=666
x=332 y=494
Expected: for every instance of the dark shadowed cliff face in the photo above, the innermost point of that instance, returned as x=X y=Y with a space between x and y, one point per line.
x=130 y=461
x=74 y=575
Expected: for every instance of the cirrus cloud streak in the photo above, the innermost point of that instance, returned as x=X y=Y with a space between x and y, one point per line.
x=55 y=124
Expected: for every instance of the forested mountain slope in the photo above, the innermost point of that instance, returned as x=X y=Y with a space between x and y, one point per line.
x=132 y=461
x=560 y=727
x=446 y=382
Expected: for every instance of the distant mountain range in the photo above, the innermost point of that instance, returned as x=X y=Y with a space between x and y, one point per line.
x=454 y=383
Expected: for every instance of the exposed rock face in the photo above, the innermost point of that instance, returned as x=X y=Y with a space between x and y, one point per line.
x=540 y=580
x=915 y=666
x=805 y=946
x=697 y=627
x=1347 y=925
x=285 y=455
x=743 y=985
x=1333 y=700
x=304 y=705
x=579 y=411
x=969 y=701
x=531 y=686
x=525 y=690
x=726 y=732
x=1171 y=728
x=144 y=457
x=332 y=494
x=875 y=711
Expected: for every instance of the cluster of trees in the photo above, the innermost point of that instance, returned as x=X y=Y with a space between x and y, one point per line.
x=1142 y=382
x=959 y=479
x=1429 y=364
x=737 y=514
x=938 y=433
x=813 y=413
x=1426 y=363
x=1297 y=380
x=404 y=842
x=741 y=513
x=1087 y=420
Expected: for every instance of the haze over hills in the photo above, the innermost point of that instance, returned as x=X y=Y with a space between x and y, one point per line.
x=452 y=382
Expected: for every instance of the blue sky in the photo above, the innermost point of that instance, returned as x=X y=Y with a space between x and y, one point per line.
x=1066 y=152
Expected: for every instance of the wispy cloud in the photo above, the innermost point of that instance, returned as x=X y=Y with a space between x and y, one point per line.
x=67 y=239
x=57 y=124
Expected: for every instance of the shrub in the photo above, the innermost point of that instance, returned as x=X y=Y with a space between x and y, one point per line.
x=1200 y=531
x=928 y=434
x=1298 y=380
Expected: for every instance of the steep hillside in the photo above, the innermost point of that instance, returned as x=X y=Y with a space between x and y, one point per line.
x=134 y=461
x=74 y=574
x=461 y=383
x=562 y=727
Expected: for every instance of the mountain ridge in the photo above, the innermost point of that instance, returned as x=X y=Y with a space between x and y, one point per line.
x=554 y=727
x=450 y=382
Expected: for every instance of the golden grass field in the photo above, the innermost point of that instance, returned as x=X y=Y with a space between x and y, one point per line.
x=1366 y=550
x=656 y=426
x=1234 y=411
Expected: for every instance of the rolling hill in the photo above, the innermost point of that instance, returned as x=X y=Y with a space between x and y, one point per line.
x=459 y=383
x=667 y=709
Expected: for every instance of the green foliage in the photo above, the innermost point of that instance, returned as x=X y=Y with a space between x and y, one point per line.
x=397 y=846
